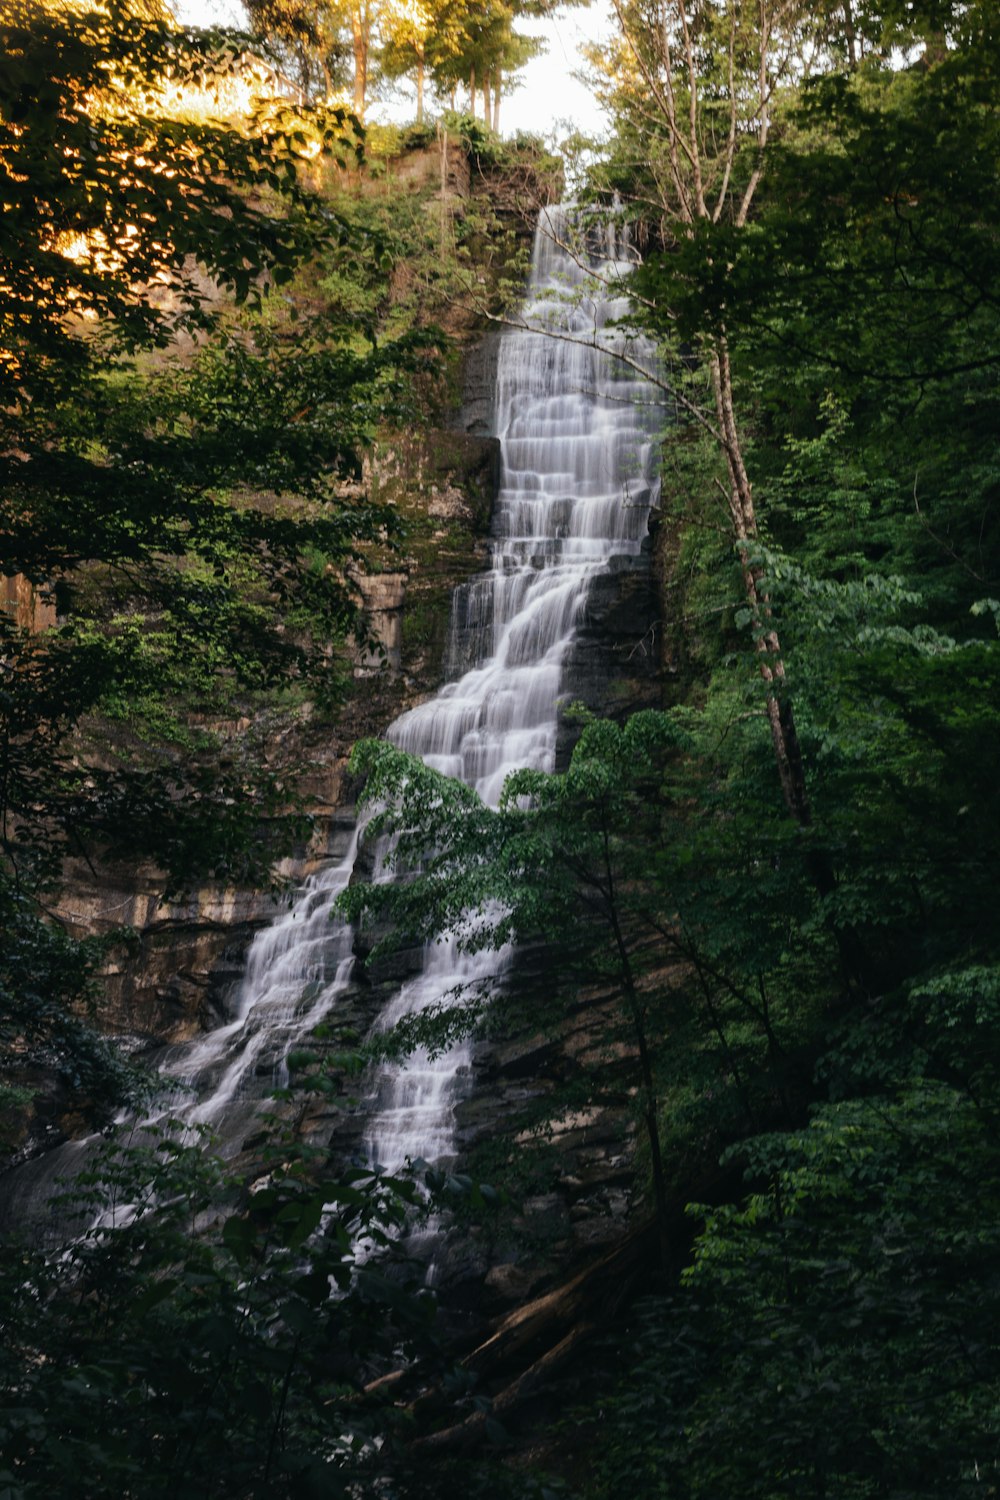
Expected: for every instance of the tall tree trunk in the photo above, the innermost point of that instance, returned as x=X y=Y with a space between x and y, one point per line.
x=359 y=41
x=855 y=961
x=420 y=85
x=935 y=48
x=784 y=738
x=689 y=202
x=650 y=1101
x=443 y=223
x=850 y=36
x=487 y=112
x=497 y=81
x=698 y=187
x=472 y=90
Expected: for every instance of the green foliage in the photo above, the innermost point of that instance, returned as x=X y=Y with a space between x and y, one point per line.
x=615 y=874
x=176 y=589
x=878 y=199
x=481 y=144
x=46 y=990
x=307 y=41
x=817 y=998
x=834 y=1333
x=392 y=271
x=492 y=155
x=468 y=43
x=178 y=509
x=812 y=1003
x=205 y=1337
x=90 y=155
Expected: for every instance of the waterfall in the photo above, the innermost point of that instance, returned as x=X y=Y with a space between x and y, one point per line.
x=577 y=438
x=578 y=461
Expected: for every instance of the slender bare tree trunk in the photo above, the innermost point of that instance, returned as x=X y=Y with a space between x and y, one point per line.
x=443 y=140
x=497 y=81
x=649 y=1096
x=787 y=754
x=697 y=188
x=697 y=185
x=472 y=91
x=851 y=36
x=359 y=42
x=420 y=85
x=487 y=112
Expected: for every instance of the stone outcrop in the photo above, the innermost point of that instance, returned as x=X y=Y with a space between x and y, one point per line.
x=30 y=608
x=614 y=662
x=479 y=381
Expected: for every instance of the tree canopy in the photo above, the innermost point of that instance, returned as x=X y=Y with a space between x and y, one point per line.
x=451 y=43
x=770 y=900
x=800 y=844
x=172 y=511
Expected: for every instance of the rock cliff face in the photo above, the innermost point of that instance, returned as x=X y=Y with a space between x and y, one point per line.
x=184 y=960
x=479 y=380
x=614 y=663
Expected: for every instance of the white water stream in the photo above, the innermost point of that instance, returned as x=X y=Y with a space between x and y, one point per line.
x=577 y=444
x=577 y=435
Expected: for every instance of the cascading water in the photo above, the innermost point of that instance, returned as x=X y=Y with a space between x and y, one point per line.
x=577 y=433
x=577 y=437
